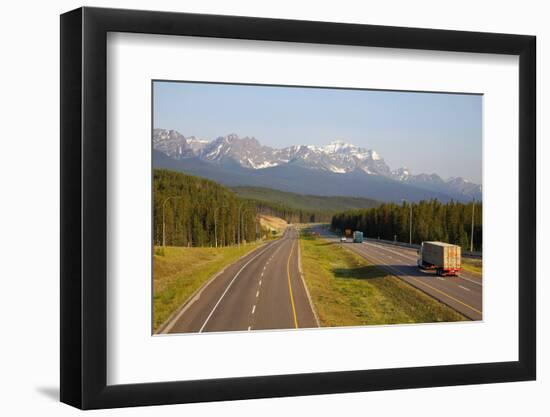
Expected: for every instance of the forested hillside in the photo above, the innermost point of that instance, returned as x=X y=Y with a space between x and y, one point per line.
x=312 y=203
x=199 y=212
x=292 y=215
x=431 y=220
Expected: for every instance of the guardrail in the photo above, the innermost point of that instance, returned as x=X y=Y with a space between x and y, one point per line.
x=466 y=253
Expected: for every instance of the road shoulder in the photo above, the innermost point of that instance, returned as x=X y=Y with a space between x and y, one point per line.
x=202 y=277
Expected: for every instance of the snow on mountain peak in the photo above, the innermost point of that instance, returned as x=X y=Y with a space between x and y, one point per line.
x=338 y=157
x=231 y=137
x=337 y=146
x=345 y=148
x=401 y=174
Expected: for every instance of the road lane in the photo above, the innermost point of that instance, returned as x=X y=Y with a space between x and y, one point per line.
x=471 y=281
x=463 y=293
x=274 y=305
x=262 y=290
x=446 y=289
x=412 y=256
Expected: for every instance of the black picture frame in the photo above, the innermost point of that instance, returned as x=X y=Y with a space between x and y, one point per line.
x=84 y=207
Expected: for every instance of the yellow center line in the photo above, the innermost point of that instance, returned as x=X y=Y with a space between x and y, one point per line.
x=290 y=286
x=446 y=295
x=435 y=289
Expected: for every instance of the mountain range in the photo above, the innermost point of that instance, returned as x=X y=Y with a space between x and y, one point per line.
x=336 y=169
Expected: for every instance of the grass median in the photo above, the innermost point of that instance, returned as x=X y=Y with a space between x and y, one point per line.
x=473 y=265
x=347 y=290
x=181 y=271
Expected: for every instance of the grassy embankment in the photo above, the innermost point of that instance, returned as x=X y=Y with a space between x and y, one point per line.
x=473 y=265
x=347 y=290
x=181 y=271
x=274 y=224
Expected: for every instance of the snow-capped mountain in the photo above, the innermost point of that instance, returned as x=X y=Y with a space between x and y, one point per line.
x=196 y=144
x=338 y=157
x=464 y=187
x=171 y=143
x=454 y=185
x=248 y=152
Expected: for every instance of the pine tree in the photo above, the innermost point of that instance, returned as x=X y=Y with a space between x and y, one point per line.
x=432 y=220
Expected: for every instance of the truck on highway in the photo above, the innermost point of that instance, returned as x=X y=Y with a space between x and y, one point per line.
x=443 y=257
x=357 y=237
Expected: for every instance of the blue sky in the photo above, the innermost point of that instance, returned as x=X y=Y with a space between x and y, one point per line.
x=425 y=132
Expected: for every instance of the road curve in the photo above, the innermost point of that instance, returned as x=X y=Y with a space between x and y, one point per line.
x=463 y=293
x=263 y=290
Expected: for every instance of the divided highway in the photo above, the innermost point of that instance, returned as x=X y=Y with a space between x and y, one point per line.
x=262 y=290
x=463 y=293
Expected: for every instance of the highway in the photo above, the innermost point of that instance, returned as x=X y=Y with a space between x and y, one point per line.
x=464 y=293
x=262 y=290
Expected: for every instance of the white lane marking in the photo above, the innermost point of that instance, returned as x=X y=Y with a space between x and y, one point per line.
x=257 y=293
x=169 y=324
x=402 y=276
x=464 y=288
x=231 y=283
x=260 y=283
x=249 y=327
x=253 y=308
x=389 y=250
x=411 y=257
x=471 y=280
x=442 y=279
x=262 y=274
x=305 y=287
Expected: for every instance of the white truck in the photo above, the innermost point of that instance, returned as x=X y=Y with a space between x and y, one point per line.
x=443 y=257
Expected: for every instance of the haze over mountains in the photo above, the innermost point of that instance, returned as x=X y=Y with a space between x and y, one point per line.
x=338 y=169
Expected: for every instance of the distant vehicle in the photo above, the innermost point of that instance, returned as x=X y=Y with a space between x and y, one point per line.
x=443 y=257
x=347 y=232
x=343 y=239
x=357 y=237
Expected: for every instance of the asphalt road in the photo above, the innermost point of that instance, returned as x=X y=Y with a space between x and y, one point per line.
x=262 y=290
x=463 y=293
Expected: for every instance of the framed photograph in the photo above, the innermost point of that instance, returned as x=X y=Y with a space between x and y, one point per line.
x=258 y=208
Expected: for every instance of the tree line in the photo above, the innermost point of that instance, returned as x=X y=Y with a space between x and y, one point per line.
x=431 y=220
x=292 y=215
x=200 y=212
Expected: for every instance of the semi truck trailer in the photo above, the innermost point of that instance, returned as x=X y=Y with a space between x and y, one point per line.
x=357 y=237
x=443 y=257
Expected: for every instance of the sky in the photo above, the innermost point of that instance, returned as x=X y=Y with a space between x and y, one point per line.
x=425 y=132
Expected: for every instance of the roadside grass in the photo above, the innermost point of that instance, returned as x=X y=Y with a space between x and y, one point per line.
x=347 y=290
x=179 y=271
x=473 y=265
